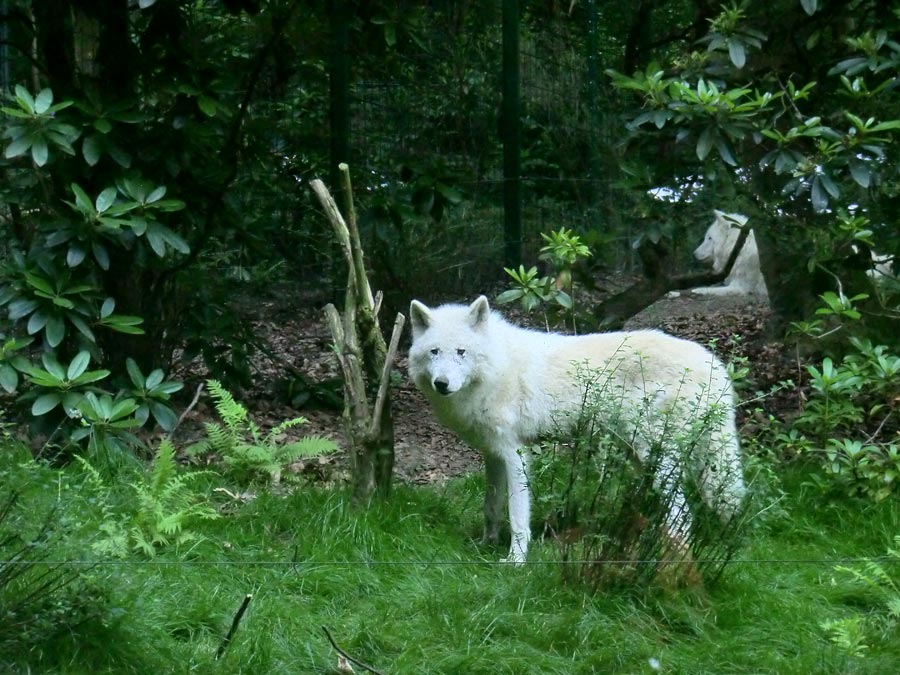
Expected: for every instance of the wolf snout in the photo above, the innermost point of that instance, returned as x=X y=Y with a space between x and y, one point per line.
x=441 y=386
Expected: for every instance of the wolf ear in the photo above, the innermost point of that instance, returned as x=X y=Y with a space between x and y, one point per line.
x=479 y=311
x=419 y=317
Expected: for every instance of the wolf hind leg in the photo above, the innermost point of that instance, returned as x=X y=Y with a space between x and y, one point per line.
x=722 y=478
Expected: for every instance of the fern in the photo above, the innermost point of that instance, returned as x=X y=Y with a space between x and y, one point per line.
x=233 y=414
x=247 y=453
x=166 y=508
x=881 y=578
x=308 y=446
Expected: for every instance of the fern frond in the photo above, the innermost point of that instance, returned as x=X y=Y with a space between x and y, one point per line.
x=221 y=439
x=893 y=606
x=164 y=468
x=92 y=475
x=284 y=426
x=308 y=446
x=233 y=414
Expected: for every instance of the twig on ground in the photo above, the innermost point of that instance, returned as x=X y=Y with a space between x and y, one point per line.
x=187 y=410
x=234 y=625
x=346 y=655
x=877 y=431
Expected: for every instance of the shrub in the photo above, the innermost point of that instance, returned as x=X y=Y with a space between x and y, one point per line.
x=562 y=251
x=86 y=229
x=853 y=392
x=611 y=504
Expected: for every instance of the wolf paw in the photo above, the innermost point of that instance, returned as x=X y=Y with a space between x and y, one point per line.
x=509 y=560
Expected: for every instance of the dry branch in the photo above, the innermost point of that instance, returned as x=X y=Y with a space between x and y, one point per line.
x=346 y=655
x=364 y=359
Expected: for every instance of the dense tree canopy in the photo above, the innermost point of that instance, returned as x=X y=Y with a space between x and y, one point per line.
x=153 y=148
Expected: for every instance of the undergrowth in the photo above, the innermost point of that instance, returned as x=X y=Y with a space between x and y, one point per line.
x=404 y=587
x=247 y=453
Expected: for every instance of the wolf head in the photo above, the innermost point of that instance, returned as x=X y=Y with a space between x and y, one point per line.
x=720 y=239
x=450 y=346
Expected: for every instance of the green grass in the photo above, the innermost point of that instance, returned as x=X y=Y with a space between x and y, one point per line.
x=405 y=588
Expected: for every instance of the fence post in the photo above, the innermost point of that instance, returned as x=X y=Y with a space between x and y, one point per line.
x=511 y=137
x=339 y=91
x=338 y=125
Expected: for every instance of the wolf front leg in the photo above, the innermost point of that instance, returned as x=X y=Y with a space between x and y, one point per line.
x=516 y=464
x=727 y=289
x=494 y=496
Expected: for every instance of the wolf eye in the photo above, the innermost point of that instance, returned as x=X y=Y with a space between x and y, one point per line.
x=460 y=352
x=435 y=351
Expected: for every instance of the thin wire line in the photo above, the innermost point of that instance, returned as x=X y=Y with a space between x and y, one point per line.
x=432 y=563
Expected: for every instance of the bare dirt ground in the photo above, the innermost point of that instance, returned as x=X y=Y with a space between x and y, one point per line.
x=425 y=451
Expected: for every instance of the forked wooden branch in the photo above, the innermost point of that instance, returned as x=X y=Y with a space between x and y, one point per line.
x=356 y=259
x=365 y=360
x=333 y=213
x=351 y=368
x=385 y=383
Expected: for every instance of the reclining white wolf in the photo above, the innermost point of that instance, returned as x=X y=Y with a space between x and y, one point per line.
x=745 y=277
x=500 y=387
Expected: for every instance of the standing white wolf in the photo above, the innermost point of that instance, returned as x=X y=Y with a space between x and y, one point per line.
x=745 y=277
x=500 y=387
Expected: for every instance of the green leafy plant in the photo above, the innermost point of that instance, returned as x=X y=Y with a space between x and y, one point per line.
x=848 y=634
x=165 y=509
x=248 y=453
x=74 y=236
x=59 y=385
x=152 y=395
x=36 y=129
x=844 y=395
x=530 y=289
x=880 y=579
x=563 y=249
x=11 y=362
x=106 y=423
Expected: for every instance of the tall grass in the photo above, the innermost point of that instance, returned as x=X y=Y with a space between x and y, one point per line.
x=405 y=588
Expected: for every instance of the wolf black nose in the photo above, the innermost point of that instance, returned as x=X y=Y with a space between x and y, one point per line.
x=442 y=386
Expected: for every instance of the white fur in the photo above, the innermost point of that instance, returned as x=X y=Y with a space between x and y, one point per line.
x=500 y=387
x=745 y=277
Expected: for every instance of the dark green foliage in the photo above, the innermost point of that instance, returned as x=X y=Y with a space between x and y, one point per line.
x=800 y=135
x=41 y=598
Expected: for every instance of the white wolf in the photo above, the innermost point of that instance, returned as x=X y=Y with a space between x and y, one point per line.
x=500 y=387
x=745 y=277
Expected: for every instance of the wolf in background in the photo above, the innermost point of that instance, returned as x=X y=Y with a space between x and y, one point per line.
x=745 y=277
x=501 y=387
